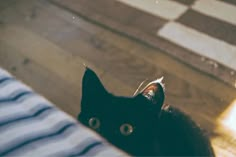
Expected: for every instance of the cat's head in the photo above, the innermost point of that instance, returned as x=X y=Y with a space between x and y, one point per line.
x=127 y=122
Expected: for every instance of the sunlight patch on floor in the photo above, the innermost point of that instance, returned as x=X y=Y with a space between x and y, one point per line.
x=228 y=117
x=225 y=132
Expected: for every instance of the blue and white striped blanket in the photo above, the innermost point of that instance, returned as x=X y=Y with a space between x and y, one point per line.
x=32 y=126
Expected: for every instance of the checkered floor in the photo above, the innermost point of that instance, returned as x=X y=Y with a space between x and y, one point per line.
x=205 y=27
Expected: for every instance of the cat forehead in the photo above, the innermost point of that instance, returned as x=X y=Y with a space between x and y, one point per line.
x=132 y=105
x=116 y=102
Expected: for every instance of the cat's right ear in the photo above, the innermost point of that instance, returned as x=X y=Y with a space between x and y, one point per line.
x=154 y=93
x=92 y=88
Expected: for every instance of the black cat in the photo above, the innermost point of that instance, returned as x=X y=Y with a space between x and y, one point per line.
x=140 y=125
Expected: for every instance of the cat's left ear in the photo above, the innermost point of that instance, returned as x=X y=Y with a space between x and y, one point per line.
x=154 y=93
x=92 y=88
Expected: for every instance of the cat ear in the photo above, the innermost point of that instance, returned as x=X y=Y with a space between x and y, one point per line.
x=92 y=88
x=154 y=93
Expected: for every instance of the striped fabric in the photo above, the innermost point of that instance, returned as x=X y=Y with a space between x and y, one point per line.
x=32 y=126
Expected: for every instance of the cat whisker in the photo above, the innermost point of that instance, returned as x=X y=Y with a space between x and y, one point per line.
x=140 y=85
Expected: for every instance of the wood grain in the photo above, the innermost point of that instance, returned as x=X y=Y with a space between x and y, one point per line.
x=138 y=32
x=45 y=47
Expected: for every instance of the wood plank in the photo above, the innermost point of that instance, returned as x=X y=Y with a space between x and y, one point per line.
x=223 y=73
x=58 y=64
x=163 y=61
x=212 y=27
x=60 y=92
x=159 y=8
x=5 y=4
x=186 y=2
x=230 y=1
x=201 y=44
x=44 y=53
x=71 y=37
x=217 y=9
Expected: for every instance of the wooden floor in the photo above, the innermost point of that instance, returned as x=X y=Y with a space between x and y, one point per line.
x=45 y=46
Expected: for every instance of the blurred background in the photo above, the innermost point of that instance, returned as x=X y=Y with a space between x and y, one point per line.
x=192 y=43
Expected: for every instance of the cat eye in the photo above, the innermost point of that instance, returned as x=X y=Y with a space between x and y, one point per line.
x=94 y=123
x=126 y=129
